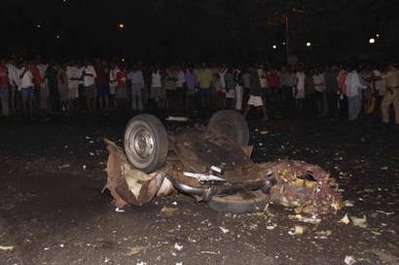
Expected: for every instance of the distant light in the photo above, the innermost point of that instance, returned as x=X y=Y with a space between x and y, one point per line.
x=123 y=60
x=377 y=35
x=371 y=40
x=38 y=26
x=58 y=37
x=274 y=46
x=283 y=43
x=121 y=25
x=308 y=44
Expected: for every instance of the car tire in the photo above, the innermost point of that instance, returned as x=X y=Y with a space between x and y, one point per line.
x=244 y=202
x=231 y=124
x=146 y=143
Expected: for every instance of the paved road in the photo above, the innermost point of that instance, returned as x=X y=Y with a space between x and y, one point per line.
x=52 y=210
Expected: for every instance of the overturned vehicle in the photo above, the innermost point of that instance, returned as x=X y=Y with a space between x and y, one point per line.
x=212 y=165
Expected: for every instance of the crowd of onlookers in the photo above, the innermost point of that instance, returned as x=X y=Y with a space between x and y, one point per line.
x=33 y=87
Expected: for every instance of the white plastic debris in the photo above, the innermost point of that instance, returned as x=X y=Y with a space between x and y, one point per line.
x=6 y=248
x=224 y=230
x=349 y=260
x=360 y=222
x=310 y=220
x=386 y=213
x=216 y=169
x=61 y=245
x=119 y=210
x=344 y=220
x=178 y=247
x=299 y=230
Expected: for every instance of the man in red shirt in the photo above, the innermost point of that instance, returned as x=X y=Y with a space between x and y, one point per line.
x=121 y=87
x=37 y=81
x=272 y=93
x=101 y=84
x=4 y=89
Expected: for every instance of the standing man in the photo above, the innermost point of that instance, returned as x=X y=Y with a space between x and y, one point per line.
x=191 y=84
x=4 y=90
x=89 y=76
x=43 y=88
x=121 y=87
x=101 y=84
x=353 y=85
x=239 y=89
x=255 y=95
x=391 y=96
x=204 y=75
x=180 y=87
x=287 y=82
x=112 y=83
x=319 y=84
x=15 y=83
x=74 y=75
x=331 y=90
x=27 y=88
x=300 y=89
x=137 y=85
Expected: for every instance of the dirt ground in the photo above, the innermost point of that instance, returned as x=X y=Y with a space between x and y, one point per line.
x=52 y=210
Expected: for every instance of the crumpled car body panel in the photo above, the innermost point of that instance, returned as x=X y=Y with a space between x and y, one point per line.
x=305 y=187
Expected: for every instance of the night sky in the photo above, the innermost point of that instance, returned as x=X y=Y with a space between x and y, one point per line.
x=219 y=30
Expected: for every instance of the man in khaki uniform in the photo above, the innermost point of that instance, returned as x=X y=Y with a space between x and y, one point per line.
x=391 y=94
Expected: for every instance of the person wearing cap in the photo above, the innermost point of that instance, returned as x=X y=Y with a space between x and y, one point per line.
x=391 y=96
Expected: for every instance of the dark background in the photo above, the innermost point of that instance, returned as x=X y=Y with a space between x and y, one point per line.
x=195 y=30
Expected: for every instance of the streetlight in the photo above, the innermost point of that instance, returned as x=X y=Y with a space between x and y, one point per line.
x=308 y=44
x=274 y=47
x=121 y=26
x=371 y=40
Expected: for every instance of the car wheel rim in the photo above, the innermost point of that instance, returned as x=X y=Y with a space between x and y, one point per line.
x=142 y=143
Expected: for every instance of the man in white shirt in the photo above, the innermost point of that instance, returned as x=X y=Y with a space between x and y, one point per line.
x=74 y=75
x=353 y=85
x=89 y=82
x=27 y=88
x=300 y=89
x=319 y=84
x=137 y=85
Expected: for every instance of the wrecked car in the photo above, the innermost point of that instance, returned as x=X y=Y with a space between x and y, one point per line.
x=214 y=166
